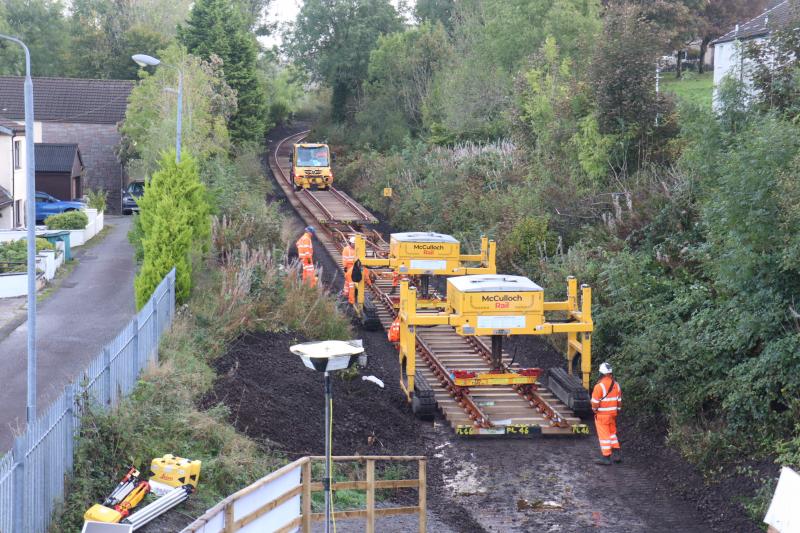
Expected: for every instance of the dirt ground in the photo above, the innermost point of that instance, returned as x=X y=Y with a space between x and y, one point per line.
x=542 y=485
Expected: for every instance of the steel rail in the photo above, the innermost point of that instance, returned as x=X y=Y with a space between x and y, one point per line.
x=334 y=235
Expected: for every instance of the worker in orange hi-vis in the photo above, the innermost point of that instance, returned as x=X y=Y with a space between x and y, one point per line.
x=397 y=278
x=305 y=252
x=394 y=331
x=348 y=260
x=606 y=404
x=349 y=254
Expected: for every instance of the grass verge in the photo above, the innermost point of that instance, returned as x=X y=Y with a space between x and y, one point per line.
x=692 y=87
x=234 y=292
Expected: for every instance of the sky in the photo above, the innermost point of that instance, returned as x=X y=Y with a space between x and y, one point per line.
x=284 y=11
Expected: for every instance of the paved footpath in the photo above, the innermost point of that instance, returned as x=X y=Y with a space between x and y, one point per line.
x=89 y=307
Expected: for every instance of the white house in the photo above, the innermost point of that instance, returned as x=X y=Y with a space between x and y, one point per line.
x=12 y=173
x=728 y=60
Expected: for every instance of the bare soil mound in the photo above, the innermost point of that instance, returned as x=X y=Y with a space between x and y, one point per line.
x=274 y=398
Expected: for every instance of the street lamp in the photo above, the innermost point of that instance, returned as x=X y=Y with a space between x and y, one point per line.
x=327 y=357
x=30 y=223
x=144 y=60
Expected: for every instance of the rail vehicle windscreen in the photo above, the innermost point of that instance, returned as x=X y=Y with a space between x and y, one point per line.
x=312 y=157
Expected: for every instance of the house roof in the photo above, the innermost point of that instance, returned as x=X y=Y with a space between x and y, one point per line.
x=9 y=127
x=775 y=17
x=67 y=99
x=5 y=197
x=52 y=157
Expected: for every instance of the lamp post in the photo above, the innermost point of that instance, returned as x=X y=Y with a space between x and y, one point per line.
x=327 y=357
x=144 y=60
x=30 y=224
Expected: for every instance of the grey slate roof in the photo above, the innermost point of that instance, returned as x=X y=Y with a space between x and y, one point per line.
x=67 y=99
x=52 y=157
x=10 y=127
x=771 y=19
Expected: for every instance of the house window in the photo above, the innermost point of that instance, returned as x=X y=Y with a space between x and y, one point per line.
x=17 y=146
x=18 y=213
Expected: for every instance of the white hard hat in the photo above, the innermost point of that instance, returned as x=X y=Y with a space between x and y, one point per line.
x=605 y=368
x=352 y=239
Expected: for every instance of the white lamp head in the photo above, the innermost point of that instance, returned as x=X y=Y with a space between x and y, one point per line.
x=144 y=60
x=327 y=356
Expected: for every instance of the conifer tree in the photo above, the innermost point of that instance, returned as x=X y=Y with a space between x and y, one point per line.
x=216 y=27
x=174 y=218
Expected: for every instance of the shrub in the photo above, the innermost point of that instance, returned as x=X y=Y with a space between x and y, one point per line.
x=97 y=199
x=14 y=254
x=67 y=220
x=311 y=311
x=174 y=218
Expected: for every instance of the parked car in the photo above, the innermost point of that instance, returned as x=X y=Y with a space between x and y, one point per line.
x=47 y=205
x=134 y=190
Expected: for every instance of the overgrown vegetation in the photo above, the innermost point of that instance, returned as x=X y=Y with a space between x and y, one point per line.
x=67 y=220
x=538 y=124
x=242 y=284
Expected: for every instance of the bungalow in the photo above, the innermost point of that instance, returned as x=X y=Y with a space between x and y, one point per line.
x=728 y=60
x=79 y=112
x=12 y=174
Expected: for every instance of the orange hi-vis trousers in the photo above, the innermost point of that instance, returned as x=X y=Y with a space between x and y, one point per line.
x=606 y=426
x=309 y=274
x=349 y=288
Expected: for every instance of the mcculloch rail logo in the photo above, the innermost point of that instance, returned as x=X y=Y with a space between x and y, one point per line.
x=429 y=246
x=504 y=298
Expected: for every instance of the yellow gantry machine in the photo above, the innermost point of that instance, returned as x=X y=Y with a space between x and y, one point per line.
x=479 y=303
x=425 y=254
x=498 y=306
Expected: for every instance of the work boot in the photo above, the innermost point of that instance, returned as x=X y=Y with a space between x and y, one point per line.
x=604 y=460
x=616 y=455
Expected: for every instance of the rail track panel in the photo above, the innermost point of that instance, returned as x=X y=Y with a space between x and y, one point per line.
x=509 y=412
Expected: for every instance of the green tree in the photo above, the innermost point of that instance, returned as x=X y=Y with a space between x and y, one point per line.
x=174 y=219
x=105 y=34
x=492 y=41
x=42 y=26
x=622 y=72
x=400 y=75
x=216 y=27
x=149 y=125
x=434 y=11
x=333 y=39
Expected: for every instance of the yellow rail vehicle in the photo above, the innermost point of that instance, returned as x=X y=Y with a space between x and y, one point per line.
x=311 y=166
x=497 y=306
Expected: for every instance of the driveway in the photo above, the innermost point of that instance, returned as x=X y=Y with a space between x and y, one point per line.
x=89 y=307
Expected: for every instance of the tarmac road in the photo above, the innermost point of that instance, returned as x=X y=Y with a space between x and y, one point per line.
x=89 y=308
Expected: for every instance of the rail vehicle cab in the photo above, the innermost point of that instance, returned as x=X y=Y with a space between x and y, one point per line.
x=311 y=166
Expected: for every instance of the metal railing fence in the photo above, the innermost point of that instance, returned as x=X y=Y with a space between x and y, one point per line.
x=34 y=472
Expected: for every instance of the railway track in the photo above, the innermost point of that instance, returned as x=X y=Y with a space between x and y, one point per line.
x=484 y=411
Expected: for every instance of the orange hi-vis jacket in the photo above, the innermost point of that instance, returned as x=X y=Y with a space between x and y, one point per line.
x=605 y=402
x=348 y=257
x=305 y=248
x=394 y=331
